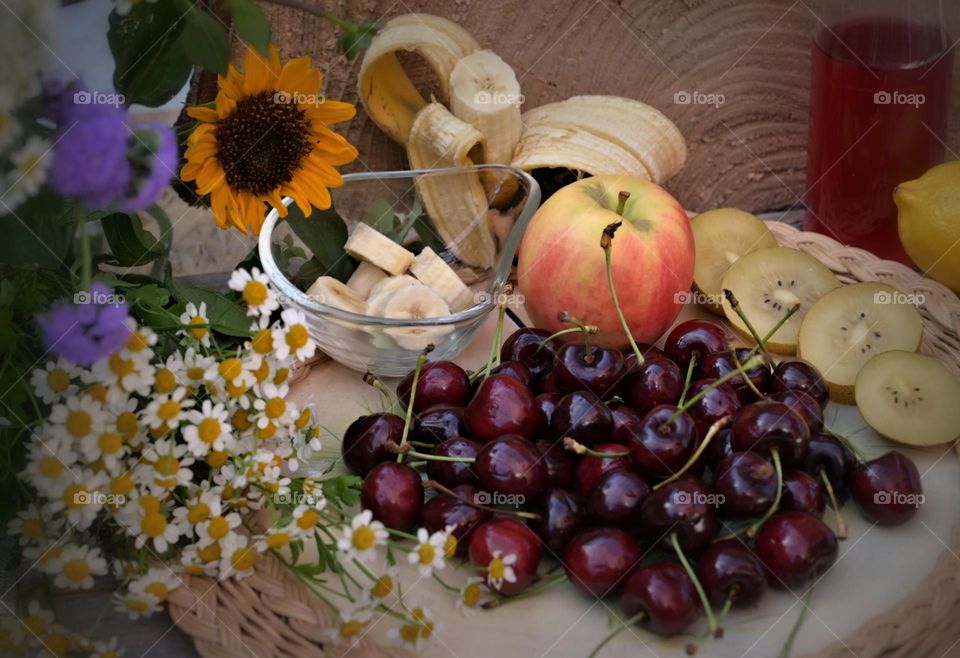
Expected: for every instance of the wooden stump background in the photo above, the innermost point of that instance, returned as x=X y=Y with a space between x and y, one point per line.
x=748 y=152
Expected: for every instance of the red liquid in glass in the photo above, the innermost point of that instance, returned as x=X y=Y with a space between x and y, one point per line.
x=879 y=101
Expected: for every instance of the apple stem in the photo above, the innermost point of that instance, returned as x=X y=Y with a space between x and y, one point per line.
x=606 y=243
x=578 y=448
x=842 y=529
x=433 y=484
x=387 y=401
x=624 y=625
x=746 y=376
x=586 y=329
x=711 y=620
x=711 y=432
x=565 y=316
x=686 y=382
x=750 y=364
x=422 y=359
x=755 y=526
x=622 y=201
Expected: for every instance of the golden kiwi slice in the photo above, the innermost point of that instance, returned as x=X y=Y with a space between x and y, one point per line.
x=850 y=325
x=769 y=282
x=722 y=236
x=910 y=398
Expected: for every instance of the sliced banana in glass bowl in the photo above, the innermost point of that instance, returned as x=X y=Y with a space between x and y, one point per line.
x=408 y=265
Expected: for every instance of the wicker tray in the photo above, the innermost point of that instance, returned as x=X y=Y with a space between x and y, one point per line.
x=270 y=615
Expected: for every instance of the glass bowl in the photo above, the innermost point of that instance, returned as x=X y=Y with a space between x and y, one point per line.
x=385 y=346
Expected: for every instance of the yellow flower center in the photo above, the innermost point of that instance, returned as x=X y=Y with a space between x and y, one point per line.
x=427 y=553
x=98 y=392
x=78 y=423
x=243 y=558
x=309 y=520
x=216 y=458
x=137 y=342
x=409 y=633
x=275 y=407
x=136 y=605
x=236 y=390
x=197 y=332
x=497 y=569
x=57 y=644
x=58 y=380
x=208 y=430
x=167 y=465
x=158 y=589
x=267 y=432
x=75 y=496
x=197 y=513
x=297 y=336
x=32 y=529
x=262 y=342
x=278 y=540
x=35 y=624
x=76 y=570
x=304 y=419
x=209 y=553
x=254 y=293
x=121 y=485
x=450 y=546
x=168 y=410
x=165 y=381
x=50 y=466
x=150 y=504
x=218 y=527
x=241 y=420
x=122 y=367
x=153 y=524
x=230 y=368
x=363 y=538
x=262 y=372
x=471 y=595
x=351 y=628
x=382 y=587
x=195 y=373
x=110 y=442
x=281 y=376
x=127 y=424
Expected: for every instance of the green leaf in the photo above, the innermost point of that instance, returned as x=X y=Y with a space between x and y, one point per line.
x=226 y=315
x=130 y=244
x=35 y=235
x=356 y=37
x=205 y=40
x=342 y=490
x=151 y=64
x=252 y=26
x=380 y=215
x=324 y=233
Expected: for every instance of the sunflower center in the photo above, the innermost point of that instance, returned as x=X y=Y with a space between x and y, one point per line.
x=262 y=143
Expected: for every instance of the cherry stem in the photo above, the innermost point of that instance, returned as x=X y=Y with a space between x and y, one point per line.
x=711 y=620
x=624 y=625
x=735 y=305
x=842 y=529
x=755 y=526
x=386 y=395
x=746 y=376
x=574 y=446
x=586 y=329
x=606 y=243
x=749 y=364
x=857 y=452
x=410 y=452
x=494 y=356
x=422 y=359
x=788 y=645
x=686 y=382
x=712 y=432
x=433 y=484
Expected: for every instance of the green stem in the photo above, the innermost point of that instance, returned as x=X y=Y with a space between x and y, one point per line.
x=578 y=448
x=606 y=243
x=494 y=357
x=624 y=625
x=445 y=584
x=413 y=394
x=570 y=330
x=711 y=620
x=86 y=260
x=686 y=381
x=788 y=645
x=749 y=364
x=439 y=458
x=763 y=343
x=746 y=376
x=857 y=452
x=712 y=432
x=755 y=526
x=735 y=305
x=842 y=529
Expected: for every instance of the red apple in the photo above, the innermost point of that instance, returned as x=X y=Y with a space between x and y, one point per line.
x=562 y=266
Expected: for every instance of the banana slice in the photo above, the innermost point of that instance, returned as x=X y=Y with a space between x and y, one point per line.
x=381 y=292
x=415 y=302
x=364 y=278
x=370 y=245
x=332 y=292
x=457 y=205
x=434 y=273
x=485 y=93
x=388 y=96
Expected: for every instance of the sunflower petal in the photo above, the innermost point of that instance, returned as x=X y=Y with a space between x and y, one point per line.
x=206 y=114
x=331 y=112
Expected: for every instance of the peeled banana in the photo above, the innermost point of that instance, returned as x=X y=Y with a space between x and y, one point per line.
x=434 y=273
x=457 y=205
x=332 y=292
x=545 y=146
x=380 y=294
x=370 y=245
x=415 y=302
x=364 y=278
x=485 y=93
x=388 y=95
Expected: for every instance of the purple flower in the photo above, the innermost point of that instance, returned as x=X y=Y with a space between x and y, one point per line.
x=155 y=151
x=85 y=330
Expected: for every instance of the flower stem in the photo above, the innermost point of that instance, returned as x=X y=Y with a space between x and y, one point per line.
x=533 y=591
x=606 y=243
x=86 y=261
x=624 y=625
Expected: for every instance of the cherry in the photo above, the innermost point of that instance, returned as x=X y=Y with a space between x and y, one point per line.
x=808 y=408
x=658 y=449
x=547 y=384
x=718 y=364
x=694 y=339
x=720 y=447
x=795 y=547
x=765 y=427
x=730 y=571
x=682 y=507
x=582 y=416
x=547 y=404
x=394 y=493
x=523 y=345
x=831 y=455
x=561 y=517
x=626 y=422
x=586 y=367
x=559 y=464
x=799 y=376
x=497 y=539
x=454 y=509
x=440 y=382
x=438 y=423
x=648 y=351
x=803 y=493
x=745 y=484
x=597 y=560
x=590 y=468
x=616 y=498
x=657 y=381
x=516 y=370
x=501 y=405
x=511 y=464
x=718 y=402
x=664 y=594
x=364 y=443
x=887 y=489
x=452 y=473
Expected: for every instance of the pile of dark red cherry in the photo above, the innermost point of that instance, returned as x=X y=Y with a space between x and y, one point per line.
x=603 y=462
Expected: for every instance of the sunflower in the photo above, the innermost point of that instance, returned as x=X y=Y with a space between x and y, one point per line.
x=267 y=137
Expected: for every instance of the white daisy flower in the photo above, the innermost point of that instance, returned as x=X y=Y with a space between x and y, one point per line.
x=418 y=631
x=204 y=504
x=151 y=525
x=276 y=538
x=196 y=323
x=262 y=340
x=255 y=288
x=77 y=417
x=292 y=339
x=362 y=537
x=122 y=410
x=158 y=581
x=29 y=173
x=167 y=410
x=385 y=584
x=108 y=447
x=38 y=619
x=76 y=566
x=500 y=569
x=170 y=374
x=271 y=406
x=109 y=649
x=470 y=594
x=133 y=373
x=140 y=342
x=80 y=499
x=238 y=558
x=196 y=561
x=428 y=554
x=165 y=465
x=208 y=429
x=217 y=529
x=196 y=366
x=50 y=464
x=352 y=621
x=136 y=605
x=29 y=525
x=55 y=380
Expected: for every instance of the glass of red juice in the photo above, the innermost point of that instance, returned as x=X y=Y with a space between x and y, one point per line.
x=879 y=102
